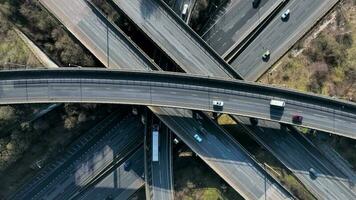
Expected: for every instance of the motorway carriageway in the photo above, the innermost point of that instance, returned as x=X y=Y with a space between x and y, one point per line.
x=85 y=160
x=278 y=36
x=120 y=183
x=85 y=13
x=177 y=90
x=237 y=23
x=286 y=145
x=223 y=30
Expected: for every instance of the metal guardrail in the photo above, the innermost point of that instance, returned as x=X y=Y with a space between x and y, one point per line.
x=147 y=81
x=254 y=89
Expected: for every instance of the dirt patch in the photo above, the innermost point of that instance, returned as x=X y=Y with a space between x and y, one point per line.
x=324 y=61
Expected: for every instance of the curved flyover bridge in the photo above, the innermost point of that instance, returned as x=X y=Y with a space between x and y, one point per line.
x=177 y=90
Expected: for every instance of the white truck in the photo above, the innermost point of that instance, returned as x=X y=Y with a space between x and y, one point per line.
x=277 y=103
x=155 y=143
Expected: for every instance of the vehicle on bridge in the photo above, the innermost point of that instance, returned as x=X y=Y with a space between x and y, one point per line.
x=218 y=104
x=277 y=103
x=297 y=119
x=312 y=173
x=253 y=121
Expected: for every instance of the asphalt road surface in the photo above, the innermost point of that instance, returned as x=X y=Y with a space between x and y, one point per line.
x=94 y=42
x=99 y=45
x=223 y=154
x=237 y=23
x=161 y=171
x=174 y=37
x=176 y=90
x=329 y=151
x=81 y=12
x=121 y=183
x=85 y=164
x=329 y=183
x=98 y=35
x=279 y=36
x=50 y=170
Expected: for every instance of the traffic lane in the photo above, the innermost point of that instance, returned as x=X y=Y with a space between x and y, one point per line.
x=74 y=151
x=221 y=155
x=161 y=179
x=85 y=170
x=88 y=165
x=328 y=151
x=232 y=147
x=329 y=184
x=96 y=34
x=120 y=183
x=176 y=42
x=237 y=24
x=183 y=96
x=279 y=36
x=178 y=6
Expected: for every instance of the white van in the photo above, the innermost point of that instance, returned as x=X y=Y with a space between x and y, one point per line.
x=277 y=103
x=218 y=103
x=185 y=9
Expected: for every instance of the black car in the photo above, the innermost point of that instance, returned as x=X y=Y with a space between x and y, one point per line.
x=127 y=165
x=256 y=3
x=253 y=121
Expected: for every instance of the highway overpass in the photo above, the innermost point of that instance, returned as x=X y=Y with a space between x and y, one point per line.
x=279 y=140
x=67 y=12
x=177 y=90
x=94 y=38
x=223 y=154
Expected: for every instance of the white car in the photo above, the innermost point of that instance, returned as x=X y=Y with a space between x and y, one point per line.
x=185 y=9
x=218 y=103
x=198 y=138
x=312 y=173
x=285 y=15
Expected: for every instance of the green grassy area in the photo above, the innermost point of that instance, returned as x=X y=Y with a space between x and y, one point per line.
x=272 y=165
x=326 y=65
x=193 y=179
x=46 y=32
x=13 y=49
x=324 y=61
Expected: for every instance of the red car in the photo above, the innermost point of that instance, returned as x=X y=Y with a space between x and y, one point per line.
x=297 y=119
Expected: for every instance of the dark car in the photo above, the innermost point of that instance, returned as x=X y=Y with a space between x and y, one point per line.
x=256 y=3
x=312 y=173
x=127 y=165
x=266 y=55
x=253 y=121
x=297 y=119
